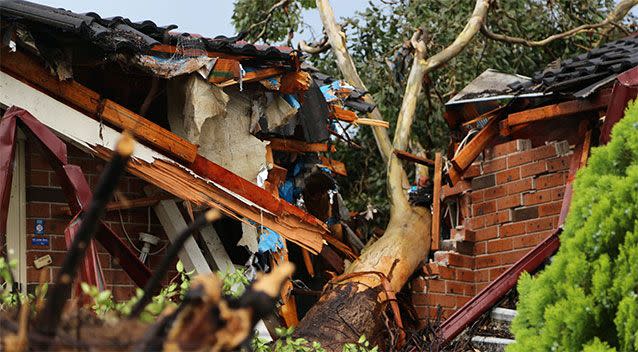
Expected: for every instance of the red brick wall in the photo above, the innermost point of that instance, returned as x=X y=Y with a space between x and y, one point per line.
x=45 y=200
x=509 y=201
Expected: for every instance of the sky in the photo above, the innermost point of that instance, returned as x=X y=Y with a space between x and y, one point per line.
x=206 y=17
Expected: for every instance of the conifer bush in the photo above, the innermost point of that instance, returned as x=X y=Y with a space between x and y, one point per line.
x=587 y=298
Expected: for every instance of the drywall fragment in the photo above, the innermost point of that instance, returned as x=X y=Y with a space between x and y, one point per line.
x=201 y=102
x=279 y=112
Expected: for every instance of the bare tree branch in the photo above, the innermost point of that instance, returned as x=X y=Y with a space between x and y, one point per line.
x=618 y=13
x=337 y=40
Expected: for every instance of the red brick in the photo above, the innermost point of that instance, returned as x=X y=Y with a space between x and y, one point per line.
x=418 y=284
x=486 y=233
x=500 y=245
x=485 y=181
x=459 y=288
x=431 y=269
x=483 y=208
x=504 y=216
x=559 y=164
x=494 y=165
x=476 y=223
x=38 y=210
x=435 y=286
x=465 y=275
x=479 y=248
x=525 y=241
x=458 y=188
x=508 y=175
x=495 y=192
x=33 y=274
x=524 y=213
x=510 y=147
x=520 y=158
x=550 y=208
x=38 y=178
x=512 y=229
x=541 y=224
x=420 y=299
x=443 y=300
x=558 y=193
x=447 y=273
x=472 y=171
x=482 y=275
x=461 y=300
x=512 y=257
x=477 y=196
x=534 y=168
x=58 y=243
x=537 y=197
x=517 y=187
x=496 y=272
x=453 y=259
x=490 y=260
x=508 y=202
x=551 y=180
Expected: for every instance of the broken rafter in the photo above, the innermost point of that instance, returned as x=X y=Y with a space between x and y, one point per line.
x=565 y=109
x=468 y=154
x=296 y=146
x=403 y=155
x=27 y=69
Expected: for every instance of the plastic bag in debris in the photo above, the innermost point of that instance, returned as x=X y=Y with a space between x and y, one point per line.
x=269 y=241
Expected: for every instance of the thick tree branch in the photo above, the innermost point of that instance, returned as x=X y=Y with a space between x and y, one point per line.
x=336 y=39
x=318 y=48
x=420 y=68
x=618 y=13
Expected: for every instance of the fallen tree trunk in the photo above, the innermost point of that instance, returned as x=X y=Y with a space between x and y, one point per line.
x=355 y=307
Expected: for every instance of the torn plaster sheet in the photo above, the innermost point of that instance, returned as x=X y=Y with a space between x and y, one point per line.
x=278 y=112
x=82 y=130
x=249 y=237
x=202 y=101
x=175 y=66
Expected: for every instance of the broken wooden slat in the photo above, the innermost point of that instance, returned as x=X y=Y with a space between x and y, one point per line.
x=224 y=70
x=296 y=146
x=554 y=111
x=335 y=166
x=436 y=202
x=403 y=155
x=29 y=70
x=173 y=222
x=471 y=150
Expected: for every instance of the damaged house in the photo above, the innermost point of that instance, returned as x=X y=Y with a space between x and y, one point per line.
x=221 y=123
x=517 y=143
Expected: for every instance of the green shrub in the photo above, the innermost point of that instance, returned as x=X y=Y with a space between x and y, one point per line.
x=586 y=299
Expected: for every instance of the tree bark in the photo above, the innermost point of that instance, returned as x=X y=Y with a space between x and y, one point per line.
x=351 y=309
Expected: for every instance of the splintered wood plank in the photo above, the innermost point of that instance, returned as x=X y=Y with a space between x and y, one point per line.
x=554 y=111
x=335 y=166
x=294 y=82
x=296 y=146
x=471 y=150
x=403 y=155
x=436 y=202
x=32 y=71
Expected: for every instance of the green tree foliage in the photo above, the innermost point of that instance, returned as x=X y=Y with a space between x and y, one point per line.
x=587 y=299
x=377 y=36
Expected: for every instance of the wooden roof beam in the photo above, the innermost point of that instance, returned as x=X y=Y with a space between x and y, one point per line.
x=29 y=70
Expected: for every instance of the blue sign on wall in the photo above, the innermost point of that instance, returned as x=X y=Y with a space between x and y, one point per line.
x=38 y=230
